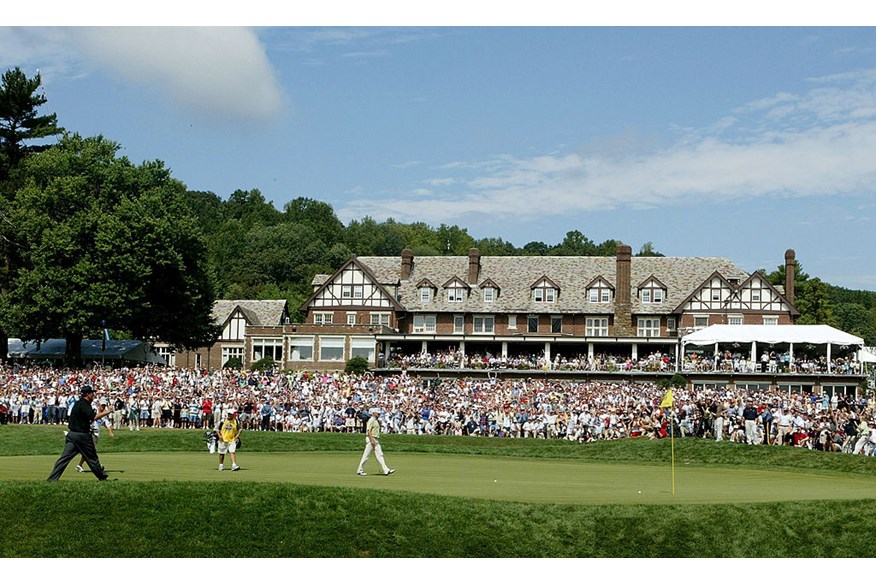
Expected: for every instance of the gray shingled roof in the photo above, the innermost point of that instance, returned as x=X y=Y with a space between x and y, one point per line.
x=515 y=274
x=257 y=312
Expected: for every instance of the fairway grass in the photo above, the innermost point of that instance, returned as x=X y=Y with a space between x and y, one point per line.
x=299 y=496
x=522 y=480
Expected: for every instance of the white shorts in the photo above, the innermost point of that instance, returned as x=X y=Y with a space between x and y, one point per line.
x=226 y=447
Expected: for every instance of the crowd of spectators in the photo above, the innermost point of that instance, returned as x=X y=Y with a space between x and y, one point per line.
x=656 y=361
x=503 y=408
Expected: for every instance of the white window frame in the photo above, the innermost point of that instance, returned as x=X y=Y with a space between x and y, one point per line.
x=512 y=321
x=267 y=347
x=455 y=294
x=771 y=320
x=425 y=294
x=323 y=317
x=596 y=326
x=351 y=318
x=671 y=324
x=230 y=352
x=298 y=343
x=332 y=343
x=458 y=324
x=646 y=296
x=648 y=327
x=362 y=347
x=424 y=323
x=697 y=317
x=657 y=296
x=489 y=294
x=380 y=318
x=735 y=319
x=594 y=295
x=483 y=324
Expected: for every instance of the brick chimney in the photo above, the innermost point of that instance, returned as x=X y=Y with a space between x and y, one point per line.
x=623 y=317
x=407 y=263
x=474 y=265
x=790 y=274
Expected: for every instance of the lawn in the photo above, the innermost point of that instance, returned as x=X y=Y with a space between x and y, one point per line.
x=298 y=496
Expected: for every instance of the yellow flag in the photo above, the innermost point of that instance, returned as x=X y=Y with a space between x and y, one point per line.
x=667 y=400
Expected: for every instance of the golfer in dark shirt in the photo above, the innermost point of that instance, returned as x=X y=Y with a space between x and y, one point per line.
x=79 y=441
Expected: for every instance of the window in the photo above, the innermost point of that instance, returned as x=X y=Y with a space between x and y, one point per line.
x=168 y=353
x=352 y=291
x=671 y=325
x=649 y=327
x=701 y=322
x=544 y=294
x=771 y=320
x=362 y=347
x=331 y=348
x=458 y=324
x=594 y=295
x=322 y=318
x=657 y=296
x=599 y=295
x=734 y=319
x=235 y=329
x=425 y=294
x=272 y=348
x=489 y=294
x=454 y=295
x=424 y=323
x=556 y=324
x=483 y=324
x=351 y=318
x=596 y=327
x=380 y=318
x=301 y=348
x=646 y=296
x=716 y=294
x=532 y=324
x=512 y=321
x=229 y=353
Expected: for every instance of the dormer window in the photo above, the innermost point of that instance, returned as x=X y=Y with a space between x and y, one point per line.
x=425 y=295
x=652 y=291
x=489 y=290
x=545 y=291
x=457 y=290
x=426 y=289
x=599 y=291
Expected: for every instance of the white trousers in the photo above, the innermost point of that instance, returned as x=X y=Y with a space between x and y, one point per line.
x=378 y=454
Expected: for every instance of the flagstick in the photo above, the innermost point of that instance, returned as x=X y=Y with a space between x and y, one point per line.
x=672 y=447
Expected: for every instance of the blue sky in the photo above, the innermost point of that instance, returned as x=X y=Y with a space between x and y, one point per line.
x=734 y=142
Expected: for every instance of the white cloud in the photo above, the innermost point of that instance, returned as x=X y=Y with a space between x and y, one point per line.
x=224 y=71
x=218 y=71
x=822 y=143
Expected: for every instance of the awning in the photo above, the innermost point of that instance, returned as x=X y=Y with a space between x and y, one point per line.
x=816 y=334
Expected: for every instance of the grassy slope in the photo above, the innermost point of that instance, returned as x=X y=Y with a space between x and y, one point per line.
x=185 y=519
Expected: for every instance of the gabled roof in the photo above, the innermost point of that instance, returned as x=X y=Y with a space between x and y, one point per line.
x=256 y=312
x=762 y=278
x=426 y=283
x=544 y=279
x=572 y=274
x=702 y=285
x=599 y=279
x=455 y=282
x=488 y=283
x=651 y=278
x=367 y=271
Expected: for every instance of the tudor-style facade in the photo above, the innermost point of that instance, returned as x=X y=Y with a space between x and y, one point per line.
x=505 y=306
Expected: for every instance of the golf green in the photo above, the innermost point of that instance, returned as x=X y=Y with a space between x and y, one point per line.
x=513 y=479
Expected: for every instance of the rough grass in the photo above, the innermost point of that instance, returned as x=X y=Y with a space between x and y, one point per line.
x=185 y=519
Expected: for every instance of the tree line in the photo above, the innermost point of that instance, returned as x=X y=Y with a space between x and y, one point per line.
x=90 y=241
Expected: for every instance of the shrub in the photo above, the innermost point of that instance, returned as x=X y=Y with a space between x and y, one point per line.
x=357 y=365
x=263 y=364
x=233 y=363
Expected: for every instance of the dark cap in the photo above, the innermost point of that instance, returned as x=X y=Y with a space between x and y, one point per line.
x=86 y=390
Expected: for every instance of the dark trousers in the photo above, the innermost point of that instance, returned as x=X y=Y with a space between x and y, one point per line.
x=78 y=443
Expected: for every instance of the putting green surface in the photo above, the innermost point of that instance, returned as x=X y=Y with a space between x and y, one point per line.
x=525 y=480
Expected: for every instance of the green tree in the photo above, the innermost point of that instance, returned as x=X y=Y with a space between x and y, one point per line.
x=104 y=243
x=317 y=216
x=575 y=244
x=647 y=251
x=20 y=120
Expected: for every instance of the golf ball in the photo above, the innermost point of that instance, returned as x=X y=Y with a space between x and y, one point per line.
x=495 y=481
x=640 y=492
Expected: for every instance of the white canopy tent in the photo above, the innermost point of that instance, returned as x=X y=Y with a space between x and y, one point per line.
x=813 y=334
